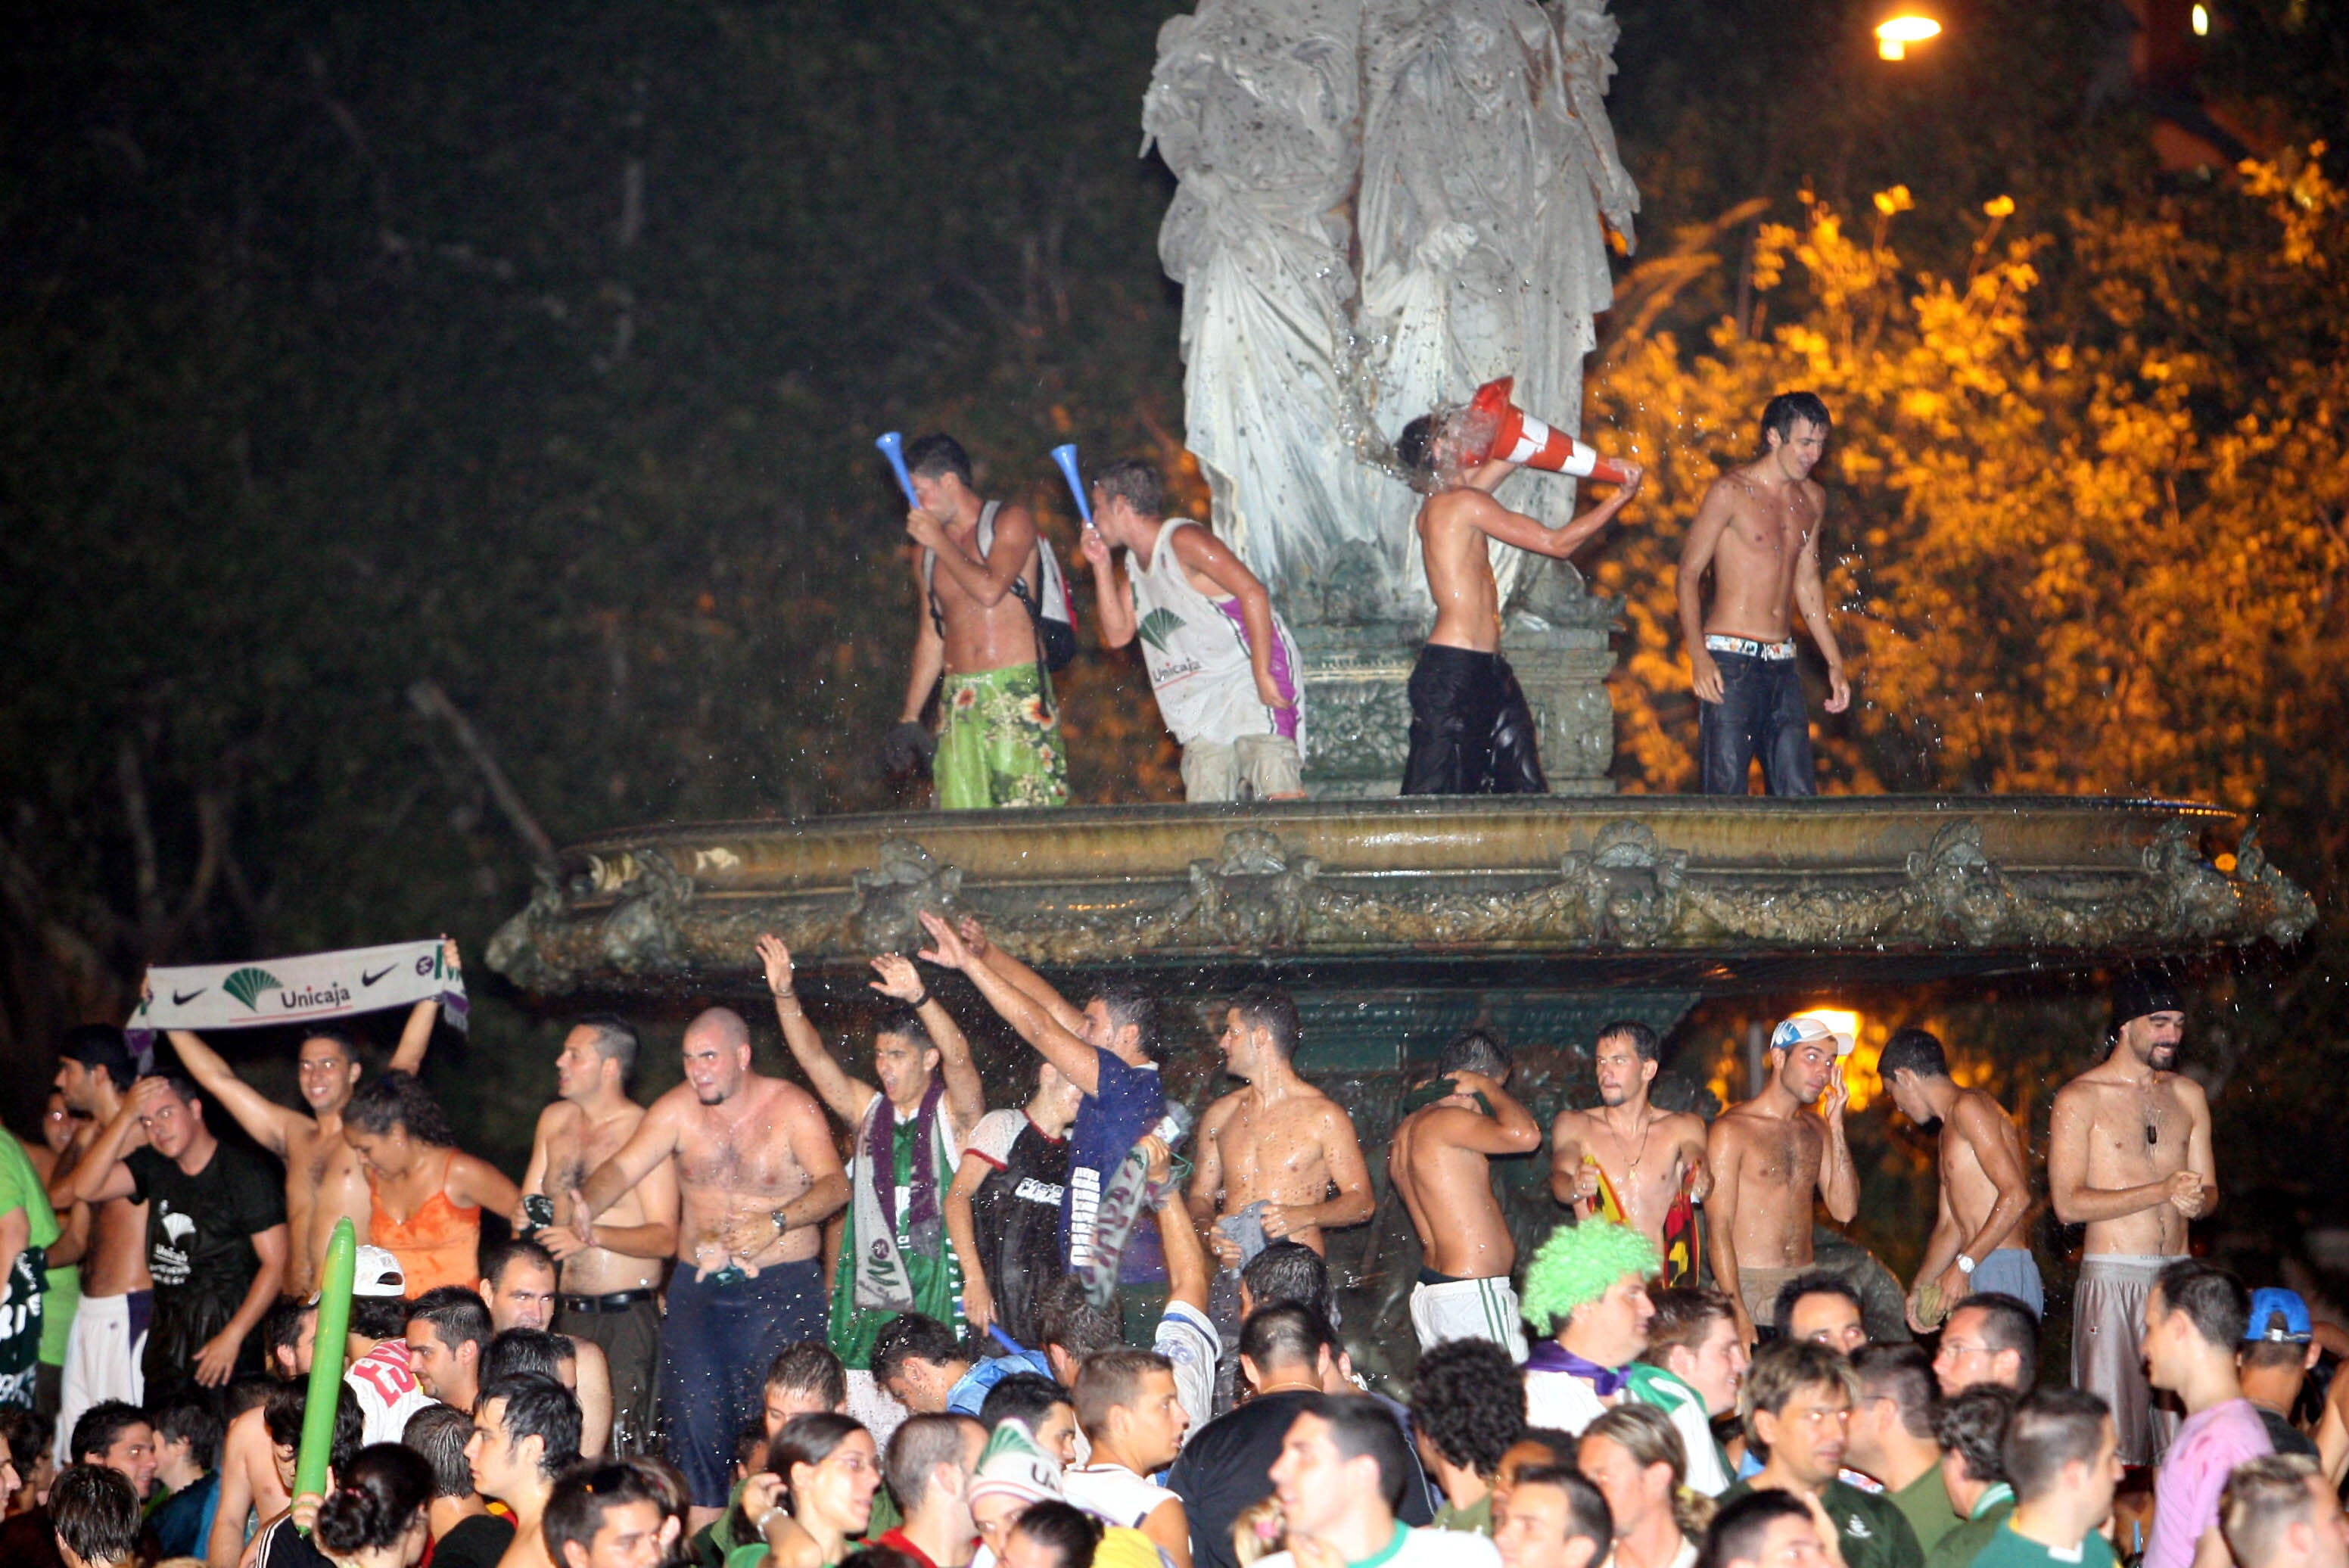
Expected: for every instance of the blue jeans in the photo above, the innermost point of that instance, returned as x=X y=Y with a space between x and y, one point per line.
x=716 y=1344
x=1760 y=714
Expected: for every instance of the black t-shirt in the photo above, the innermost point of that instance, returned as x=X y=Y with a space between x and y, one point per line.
x=1016 y=1215
x=2285 y=1438
x=1227 y=1469
x=477 y=1542
x=200 y=1228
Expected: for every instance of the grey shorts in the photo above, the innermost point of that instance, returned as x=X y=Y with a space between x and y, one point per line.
x=2107 y=1326
x=1252 y=767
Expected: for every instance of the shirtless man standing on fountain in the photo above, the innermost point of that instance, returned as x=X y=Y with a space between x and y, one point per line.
x=1441 y=1161
x=1978 y=1242
x=1758 y=530
x=2128 y=1156
x=1648 y=1157
x=604 y=1292
x=1769 y=1157
x=1471 y=731
x=757 y=1176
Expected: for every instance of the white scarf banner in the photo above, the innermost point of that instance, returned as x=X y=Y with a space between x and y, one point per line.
x=301 y=989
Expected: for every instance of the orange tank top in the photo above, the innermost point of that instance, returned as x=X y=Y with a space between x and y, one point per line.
x=439 y=1244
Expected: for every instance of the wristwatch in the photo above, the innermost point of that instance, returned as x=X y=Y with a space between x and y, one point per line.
x=783 y=1229
x=1965 y=1265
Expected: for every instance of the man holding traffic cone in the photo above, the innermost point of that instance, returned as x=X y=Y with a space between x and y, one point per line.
x=1471 y=731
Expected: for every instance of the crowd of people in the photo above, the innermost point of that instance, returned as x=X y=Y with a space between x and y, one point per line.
x=874 y=1320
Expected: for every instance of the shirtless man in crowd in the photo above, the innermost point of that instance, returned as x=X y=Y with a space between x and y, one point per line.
x=1441 y=1161
x=1978 y=1242
x=1649 y=1157
x=2129 y=1157
x=1471 y=730
x=1757 y=530
x=95 y=1069
x=757 y=1175
x=605 y=1292
x=324 y=1180
x=1769 y=1157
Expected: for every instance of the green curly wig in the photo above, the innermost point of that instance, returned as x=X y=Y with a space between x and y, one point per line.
x=1579 y=1264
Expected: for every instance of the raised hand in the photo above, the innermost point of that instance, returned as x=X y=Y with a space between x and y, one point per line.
x=973 y=936
x=777 y=958
x=1095 y=547
x=945 y=950
x=899 y=979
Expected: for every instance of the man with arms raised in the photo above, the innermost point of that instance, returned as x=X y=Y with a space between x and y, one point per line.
x=909 y=1135
x=425 y=1196
x=2194 y=1319
x=2059 y=1457
x=1587 y=1286
x=757 y=1176
x=2129 y=1157
x=1441 y=1161
x=324 y=1182
x=607 y=1290
x=103 y=1349
x=1770 y=1157
x=2279 y=1513
x=977 y=571
x=1978 y=1242
x=518 y=1288
x=1758 y=530
x=1797 y=1409
x=525 y=1433
x=1630 y=1161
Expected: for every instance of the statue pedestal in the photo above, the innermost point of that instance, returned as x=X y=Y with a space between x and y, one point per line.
x=1357 y=705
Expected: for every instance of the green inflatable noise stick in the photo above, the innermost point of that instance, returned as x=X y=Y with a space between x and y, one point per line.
x=327 y=1362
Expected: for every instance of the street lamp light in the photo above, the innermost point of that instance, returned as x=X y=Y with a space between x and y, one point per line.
x=1894 y=36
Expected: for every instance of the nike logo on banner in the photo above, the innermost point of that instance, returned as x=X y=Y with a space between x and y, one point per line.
x=180 y=1001
x=371 y=979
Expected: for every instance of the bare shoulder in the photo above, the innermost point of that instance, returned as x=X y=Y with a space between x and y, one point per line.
x=2190 y=1093
x=787 y=1098
x=558 y=1119
x=1683 y=1126
x=672 y=1108
x=1219 y=1115
x=1570 y=1123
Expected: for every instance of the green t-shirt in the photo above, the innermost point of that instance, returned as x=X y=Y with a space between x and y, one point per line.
x=2008 y=1550
x=936 y=1278
x=1476 y=1518
x=1962 y=1545
x=1925 y=1505
x=22 y=1323
x=715 y=1546
x=1874 y=1533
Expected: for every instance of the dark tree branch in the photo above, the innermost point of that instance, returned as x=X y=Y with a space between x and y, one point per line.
x=429 y=700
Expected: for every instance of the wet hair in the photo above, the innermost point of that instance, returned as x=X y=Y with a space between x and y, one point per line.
x=1137 y=483
x=100 y=1047
x=576 y=1511
x=1644 y=1040
x=1970 y=1423
x=1586 y=1514
x=1684 y=1318
x=1474 y=1051
x=341 y=1038
x=377 y=1497
x=1782 y=1370
x=458 y=1315
x=526 y=1353
x=1067 y=1317
x=1358 y=1426
x=101 y=1426
x=499 y=1256
x=1468 y=1400
x=2007 y=1323
x=1111 y=1379
x=1786 y=410
x=379 y=1317
x=1027 y=1397
x=95 y=1512
x=807 y=1440
x=1287 y=1271
x=1818 y=1282
x=919 y=1446
x=1903 y=1374
x=1273 y=1010
x=1287 y=1333
x=935 y=455
x=1919 y=1050
x=539 y=1407
x=2213 y=1301
x=1130 y=1005
x=440 y=1433
x=616 y=1040
x=28 y=1433
x=2263 y=1498
x=282 y=1415
x=399 y=1099
x=912 y=1336
x=810 y=1367
x=196 y=1424
x=1649 y=1436
x=905 y=1024
x=281 y=1329
x=1414 y=449
x=1070 y=1534
x=1738 y=1530
x=2051 y=1427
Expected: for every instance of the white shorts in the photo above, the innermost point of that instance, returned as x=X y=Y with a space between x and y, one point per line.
x=101 y=1362
x=1468 y=1309
x=1252 y=767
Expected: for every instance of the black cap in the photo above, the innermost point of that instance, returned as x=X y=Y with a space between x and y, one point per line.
x=2142 y=991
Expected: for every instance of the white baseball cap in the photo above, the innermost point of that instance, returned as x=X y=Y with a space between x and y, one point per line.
x=378 y=1274
x=1807 y=1028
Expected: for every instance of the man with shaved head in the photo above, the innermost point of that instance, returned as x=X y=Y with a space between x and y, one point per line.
x=757 y=1176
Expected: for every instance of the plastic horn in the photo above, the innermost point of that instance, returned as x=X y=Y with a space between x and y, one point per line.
x=893 y=447
x=1066 y=455
x=327 y=1362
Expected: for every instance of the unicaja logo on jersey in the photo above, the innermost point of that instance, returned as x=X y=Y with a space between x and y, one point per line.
x=1159 y=626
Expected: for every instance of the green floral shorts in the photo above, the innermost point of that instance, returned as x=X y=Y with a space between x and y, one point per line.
x=1000 y=744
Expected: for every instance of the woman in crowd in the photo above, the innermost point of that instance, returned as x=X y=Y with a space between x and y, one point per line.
x=815 y=1497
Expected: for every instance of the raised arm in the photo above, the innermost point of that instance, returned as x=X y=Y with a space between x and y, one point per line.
x=1199 y=551
x=1341 y=1151
x=2075 y=1202
x=1112 y=602
x=1838 y=1176
x=418 y=1035
x=651 y=1144
x=1187 y=1272
x=1721 y=1152
x=1712 y=518
x=216 y=1361
x=1056 y=1044
x=1811 y=598
x=987 y=581
x=101 y=1175
x=266 y=1122
x=965 y=1094
x=1510 y=1130
x=847 y=1097
x=962 y=1231
x=929 y=653
x=1491 y=518
x=1032 y=986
